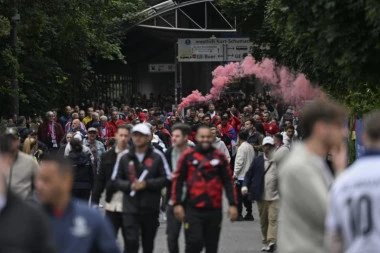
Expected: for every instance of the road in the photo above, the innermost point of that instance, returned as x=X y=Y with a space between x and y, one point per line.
x=237 y=237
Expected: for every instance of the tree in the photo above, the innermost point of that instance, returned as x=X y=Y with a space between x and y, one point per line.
x=335 y=43
x=58 y=43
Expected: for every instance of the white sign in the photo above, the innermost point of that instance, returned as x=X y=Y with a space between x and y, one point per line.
x=161 y=68
x=213 y=50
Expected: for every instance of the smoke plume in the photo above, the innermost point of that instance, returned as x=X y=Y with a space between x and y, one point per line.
x=292 y=88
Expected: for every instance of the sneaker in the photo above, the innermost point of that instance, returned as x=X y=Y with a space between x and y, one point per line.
x=265 y=248
x=249 y=217
x=272 y=247
x=240 y=218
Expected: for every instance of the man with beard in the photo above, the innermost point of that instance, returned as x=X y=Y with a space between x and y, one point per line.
x=305 y=178
x=205 y=171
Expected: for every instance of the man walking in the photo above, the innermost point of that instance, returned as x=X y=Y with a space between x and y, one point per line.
x=20 y=176
x=180 y=137
x=352 y=222
x=50 y=133
x=110 y=160
x=76 y=226
x=22 y=227
x=305 y=179
x=260 y=183
x=141 y=175
x=243 y=161
x=205 y=171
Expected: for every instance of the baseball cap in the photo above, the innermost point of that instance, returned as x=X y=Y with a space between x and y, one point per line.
x=92 y=129
x=145 y=110
x=268 y=141
x=141 y=128
x=12 y=131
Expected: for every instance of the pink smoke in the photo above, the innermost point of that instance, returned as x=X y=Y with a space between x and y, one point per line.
x=293 y=88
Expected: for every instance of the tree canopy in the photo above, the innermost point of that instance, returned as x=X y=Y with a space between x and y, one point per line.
x=58 y=43
x=335 y=43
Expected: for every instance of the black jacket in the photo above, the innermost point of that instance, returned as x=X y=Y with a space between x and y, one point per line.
x=107 y=162
x=83 y=172
x=130 y=169
x=23 y=229
x=254 y=179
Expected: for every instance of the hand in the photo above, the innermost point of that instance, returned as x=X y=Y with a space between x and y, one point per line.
x=138 y=186
x=179 y=212
x=244 y=190
x=233 y=213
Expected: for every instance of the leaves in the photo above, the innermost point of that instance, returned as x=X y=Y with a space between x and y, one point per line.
x=58 y=42
x=335 y=43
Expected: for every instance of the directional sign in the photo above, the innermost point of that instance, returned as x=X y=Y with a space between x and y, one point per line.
x=161 y=68
x=213 y=50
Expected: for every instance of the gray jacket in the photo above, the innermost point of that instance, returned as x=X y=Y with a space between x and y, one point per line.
x=21 y=175
x=219 y=145
x=304 y=187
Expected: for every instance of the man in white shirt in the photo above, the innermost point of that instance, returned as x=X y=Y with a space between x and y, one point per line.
x=352 y=222
x=110 y=160
x=244 y=157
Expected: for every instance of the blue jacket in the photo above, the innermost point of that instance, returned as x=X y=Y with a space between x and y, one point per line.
x=81 y=229
x=254 y=179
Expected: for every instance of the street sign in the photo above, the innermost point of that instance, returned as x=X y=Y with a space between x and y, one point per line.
x=161 y=68
x=213 y=50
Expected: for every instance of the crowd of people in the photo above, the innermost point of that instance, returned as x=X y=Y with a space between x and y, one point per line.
x=152 y=161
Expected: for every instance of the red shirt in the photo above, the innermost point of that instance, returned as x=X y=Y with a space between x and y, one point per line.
x=112 y=127
x=271 y=128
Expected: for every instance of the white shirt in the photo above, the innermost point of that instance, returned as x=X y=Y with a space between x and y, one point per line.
x=355 y=204
x=140 y=156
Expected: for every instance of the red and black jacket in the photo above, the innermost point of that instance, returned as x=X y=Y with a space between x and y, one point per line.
x=206 y=189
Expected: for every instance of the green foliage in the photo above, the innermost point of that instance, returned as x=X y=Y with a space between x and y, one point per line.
x=335 y=43
x=58 y=43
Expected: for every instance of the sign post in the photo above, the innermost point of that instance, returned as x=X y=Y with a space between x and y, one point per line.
x=213 y=50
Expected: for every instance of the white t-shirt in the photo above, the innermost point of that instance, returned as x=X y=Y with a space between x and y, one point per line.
x=355 y=204
x=140 y=156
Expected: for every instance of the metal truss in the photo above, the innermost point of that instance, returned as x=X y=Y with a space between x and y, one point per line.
x=167 y=16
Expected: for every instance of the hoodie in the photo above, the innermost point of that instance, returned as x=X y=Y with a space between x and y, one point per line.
x=219 y=145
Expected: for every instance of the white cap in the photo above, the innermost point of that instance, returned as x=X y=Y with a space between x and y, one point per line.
x=78 y=136
x=142 y=128
x=268 y=140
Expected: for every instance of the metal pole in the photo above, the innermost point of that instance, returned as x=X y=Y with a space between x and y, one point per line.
x=175 y=75
x=180 y=80
x=15 y=106
x=205 y=15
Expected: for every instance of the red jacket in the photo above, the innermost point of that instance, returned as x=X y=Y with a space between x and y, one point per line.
x=43 y=133
x=206 y=190
x=235 y=122
x=112 y=127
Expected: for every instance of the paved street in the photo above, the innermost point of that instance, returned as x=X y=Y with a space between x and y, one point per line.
x=237 y=237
